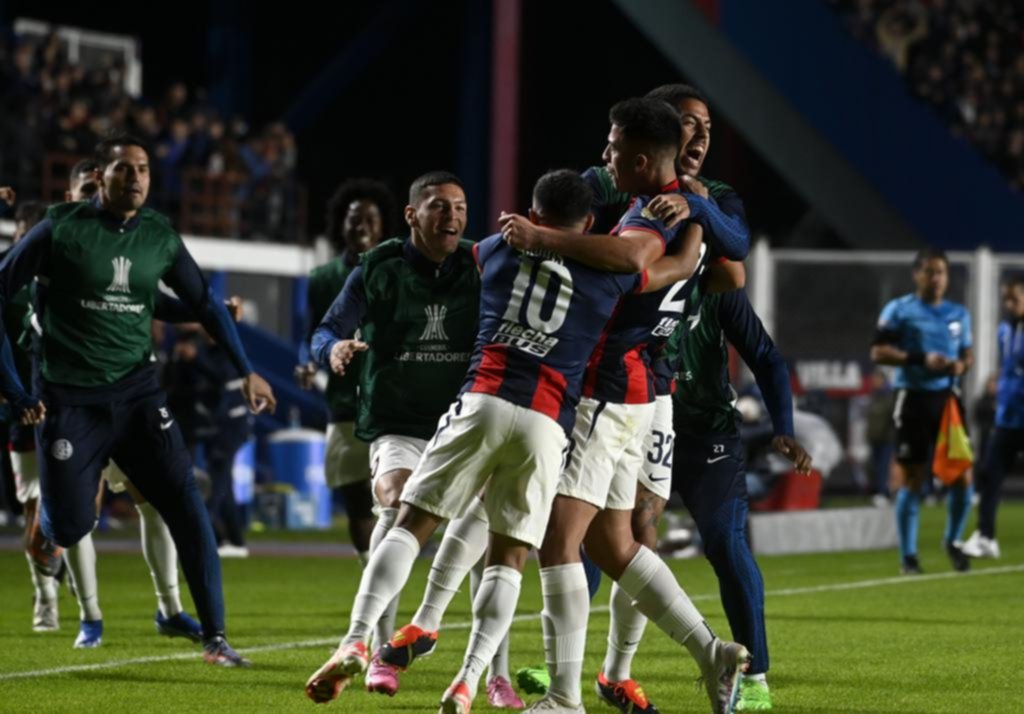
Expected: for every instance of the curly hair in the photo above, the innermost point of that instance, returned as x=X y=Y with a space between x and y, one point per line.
x=361 y=189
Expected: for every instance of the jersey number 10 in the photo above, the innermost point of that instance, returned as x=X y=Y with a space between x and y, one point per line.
x=538 y=295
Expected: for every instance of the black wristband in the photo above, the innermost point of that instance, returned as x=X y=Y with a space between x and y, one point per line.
x=915 y=358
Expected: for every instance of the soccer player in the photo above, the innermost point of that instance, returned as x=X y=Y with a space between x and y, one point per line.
x=415 y=302
x=101 y=261
x=157 y=544
x=928 y=339
x=1007 y=438
x=359 y=215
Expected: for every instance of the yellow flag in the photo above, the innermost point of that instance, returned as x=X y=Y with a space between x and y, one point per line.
x=953 y=452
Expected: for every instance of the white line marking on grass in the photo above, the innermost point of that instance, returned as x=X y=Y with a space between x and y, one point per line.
x=532 y=617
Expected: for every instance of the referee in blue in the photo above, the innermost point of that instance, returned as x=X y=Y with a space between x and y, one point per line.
x=928 y=339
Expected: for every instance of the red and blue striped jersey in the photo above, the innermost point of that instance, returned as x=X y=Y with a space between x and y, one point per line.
x=620 y=369
x=540 y=318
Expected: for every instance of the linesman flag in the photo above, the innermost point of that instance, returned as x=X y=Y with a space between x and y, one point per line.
x=953 y=452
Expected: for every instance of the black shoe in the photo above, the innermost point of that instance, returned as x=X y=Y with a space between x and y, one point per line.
x=910 y=566
x=961 y=563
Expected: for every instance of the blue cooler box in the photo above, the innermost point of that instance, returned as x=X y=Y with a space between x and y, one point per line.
x=297 y=458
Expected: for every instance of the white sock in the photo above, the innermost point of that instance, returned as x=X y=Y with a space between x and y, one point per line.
x=656 y=593
x=566 y=610
x=385 y=625
x=81 y=560
x=625 y=631
x=464 y=543
x=493 y=609
x=384 y=576
x=161 y=557
x=762 y=678
x=45 y=586
x=499 y=663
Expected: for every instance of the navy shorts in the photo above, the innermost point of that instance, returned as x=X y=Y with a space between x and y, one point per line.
x=707 y=471
x=132 y=426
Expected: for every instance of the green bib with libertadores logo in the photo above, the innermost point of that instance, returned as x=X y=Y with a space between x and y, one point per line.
x=100 y=293
x=421 y=330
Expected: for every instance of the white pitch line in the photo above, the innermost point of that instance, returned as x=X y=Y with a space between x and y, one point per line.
x=304 y=644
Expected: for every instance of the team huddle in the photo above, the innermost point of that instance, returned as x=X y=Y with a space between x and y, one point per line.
x=546 y=388
x=532 y=390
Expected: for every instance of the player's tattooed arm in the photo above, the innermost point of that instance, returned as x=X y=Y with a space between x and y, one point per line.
x=633 y=251
x=671 y=269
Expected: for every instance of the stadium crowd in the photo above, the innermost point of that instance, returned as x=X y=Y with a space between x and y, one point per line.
x=965 y=58
x=49 y=105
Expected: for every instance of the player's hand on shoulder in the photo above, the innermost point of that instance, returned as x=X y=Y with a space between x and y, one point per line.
x=692 y=185
x=258 y=394
x=305 y=374
x=792 y=450
x=670 y=208
x=520 y=232
x=343 y=352
x=33 y=415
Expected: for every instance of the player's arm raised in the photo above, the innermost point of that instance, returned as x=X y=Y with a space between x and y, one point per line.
x=671 y=269
x=632 y=251
x=333 y=346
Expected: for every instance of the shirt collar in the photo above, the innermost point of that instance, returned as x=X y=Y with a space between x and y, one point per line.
x=422 y=264
x=110 y=220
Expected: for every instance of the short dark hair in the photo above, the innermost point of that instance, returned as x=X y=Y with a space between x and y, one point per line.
x=650 y=121
x=30 y=213
x=563 y=197
x=926 y=254
x=676 y=94
x=431 y=178
x=105 y=149
x=85 y=166
x=361 y=189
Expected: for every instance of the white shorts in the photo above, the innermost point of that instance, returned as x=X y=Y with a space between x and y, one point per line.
x=607 y=453
x=116 y=479
x=390 y=452
x=348 y=458
x=656 y=474
x=513 y=453
x=25 y=465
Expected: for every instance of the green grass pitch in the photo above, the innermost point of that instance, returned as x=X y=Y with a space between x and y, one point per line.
x=846 y=635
